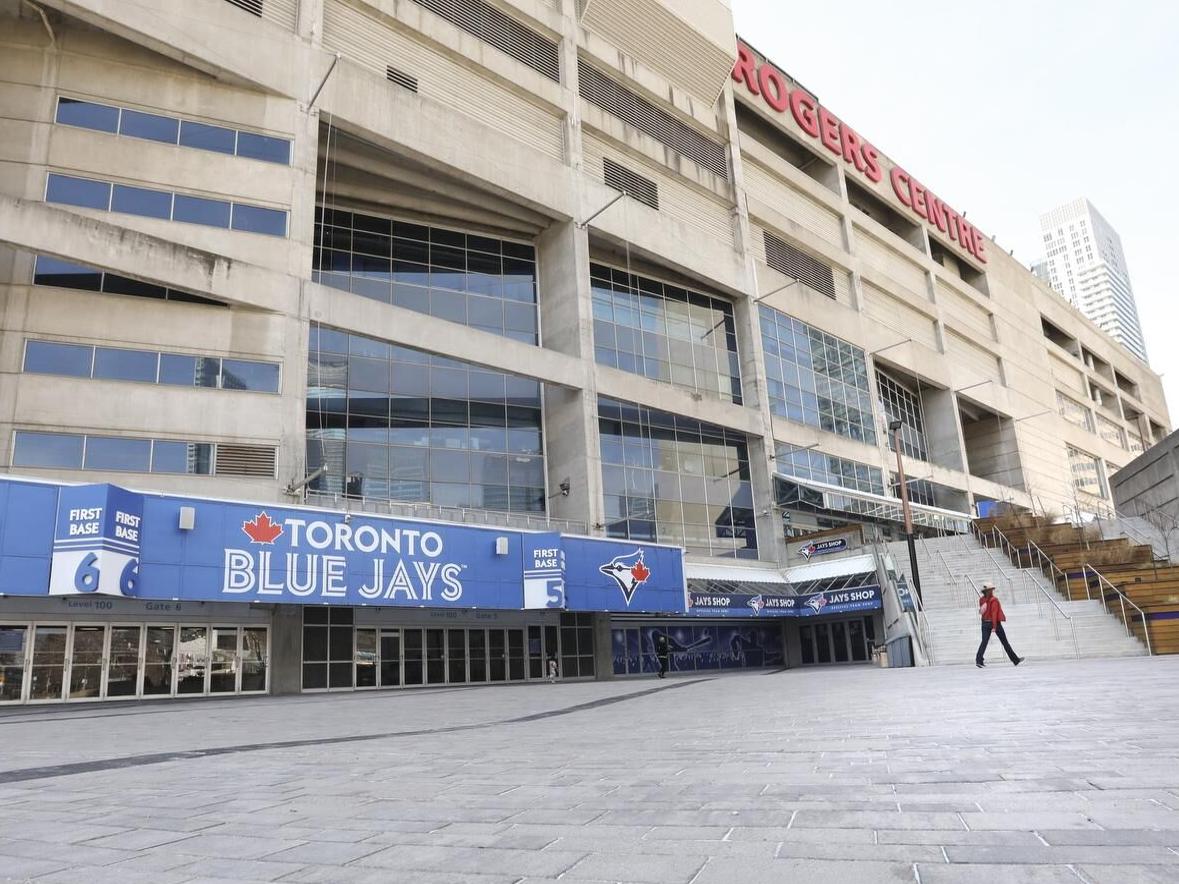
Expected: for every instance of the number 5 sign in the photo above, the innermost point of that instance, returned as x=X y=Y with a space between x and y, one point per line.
x=96 y=542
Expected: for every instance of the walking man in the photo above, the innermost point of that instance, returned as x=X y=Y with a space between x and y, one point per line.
x=661 y=652
x=992 y=616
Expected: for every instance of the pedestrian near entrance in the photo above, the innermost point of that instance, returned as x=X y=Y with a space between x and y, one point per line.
x=991 y=612
x=661 y=652
x=552 y=668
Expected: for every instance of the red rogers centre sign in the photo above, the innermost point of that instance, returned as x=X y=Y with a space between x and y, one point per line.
x=763 y=79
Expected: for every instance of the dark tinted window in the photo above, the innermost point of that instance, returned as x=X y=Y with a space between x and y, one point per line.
x=122 y=285
x=73 y=112
x=263 y=147
x=259 y=220
x=194 y=210
x=52 y=271
x=153 y=127
x=141 y=201
x=47 y=450
x=47 y=357
x=207 y=137
x=78 y=192
x=242 y=374
x=188 y=371
x=113 y=453
x=181 y=457
x=125 y=365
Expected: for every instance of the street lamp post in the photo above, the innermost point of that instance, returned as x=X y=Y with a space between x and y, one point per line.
x=895 y=427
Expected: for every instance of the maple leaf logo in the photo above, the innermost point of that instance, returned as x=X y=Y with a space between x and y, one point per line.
x=640 y=572
x=262 y=529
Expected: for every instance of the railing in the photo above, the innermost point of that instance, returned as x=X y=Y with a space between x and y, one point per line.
x=381 y=507
x=1102 y=585
x=919 y=623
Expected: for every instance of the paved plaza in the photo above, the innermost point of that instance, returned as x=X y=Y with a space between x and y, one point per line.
x=1053 y=772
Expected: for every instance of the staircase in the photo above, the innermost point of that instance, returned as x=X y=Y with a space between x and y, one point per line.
x=1037 y=628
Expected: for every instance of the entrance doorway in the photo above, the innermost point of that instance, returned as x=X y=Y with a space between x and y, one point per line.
x=836 y=641
x=77 y=662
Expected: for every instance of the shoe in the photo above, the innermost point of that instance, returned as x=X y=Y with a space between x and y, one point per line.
x=979 y=665
x=1017 y=661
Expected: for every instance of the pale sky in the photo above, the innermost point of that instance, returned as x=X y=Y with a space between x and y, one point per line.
x=1009 y=109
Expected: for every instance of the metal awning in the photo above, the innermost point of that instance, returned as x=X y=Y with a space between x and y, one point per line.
x=735 y=580
x=866 y=505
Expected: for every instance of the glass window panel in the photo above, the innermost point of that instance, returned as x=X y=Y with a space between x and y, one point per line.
x=152 y=127
x=189 y=371
x=87 y=114
x=78 y=192
x=196 y=210
x=58 y=450
x=52 y=271
x=46 y=357
x=125 y=365
x=264 y=147
x=257 y=219
x=122 y=285
x=244 y=374
x=142 y=201
x=181 y=457
x=206 y=137
x=114 y=453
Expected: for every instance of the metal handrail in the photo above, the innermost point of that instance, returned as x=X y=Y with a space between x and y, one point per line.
x=1013 y=555
x=1103 y=582
x=1053 y=567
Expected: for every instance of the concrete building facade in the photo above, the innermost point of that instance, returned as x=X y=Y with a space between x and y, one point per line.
x=548 y=264
x=1084 y=261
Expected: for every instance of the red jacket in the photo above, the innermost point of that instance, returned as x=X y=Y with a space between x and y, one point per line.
x=990 y=609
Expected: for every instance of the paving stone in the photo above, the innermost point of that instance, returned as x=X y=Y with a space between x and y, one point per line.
x=407 y=857
x=728 y=871
x=1127 y=874
x=22 y=868
x=989 y=874
x=906 y=853
x=240 y=869
x=663 y=869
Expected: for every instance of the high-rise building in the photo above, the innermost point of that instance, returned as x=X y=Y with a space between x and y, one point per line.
x=1085 y=263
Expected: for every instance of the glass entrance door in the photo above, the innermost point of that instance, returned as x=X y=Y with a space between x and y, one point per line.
x=366 y=657
x=477 y=640
x=159 y=659
x=497 y=656
x=122 y=673
x=390 y=658
x=435 y=656
x=87 y=662
x=49 y=657
x=223 y=668
x=192 y=660
x=13 y=650
x=255 y=659
x=839 y=641
x=857 y=639
x=516 y=662
x=456 y=656
x=414 y=673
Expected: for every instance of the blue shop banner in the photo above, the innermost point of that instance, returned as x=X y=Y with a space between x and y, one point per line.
x=615 y=575
x=842 y=601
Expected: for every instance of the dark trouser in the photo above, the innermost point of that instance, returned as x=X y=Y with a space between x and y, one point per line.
x=986 y=637
x=662 y=665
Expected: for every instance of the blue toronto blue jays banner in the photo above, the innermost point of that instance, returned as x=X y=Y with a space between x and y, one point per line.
x=615 y=575
x=823 y=548
x=843 y=601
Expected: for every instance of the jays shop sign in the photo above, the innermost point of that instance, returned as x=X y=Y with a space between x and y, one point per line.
x=110 y=541
x=844 y=601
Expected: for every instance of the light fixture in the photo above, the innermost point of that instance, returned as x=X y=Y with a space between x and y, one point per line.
x=187 y=518
x=296 y=487
x=501 y=546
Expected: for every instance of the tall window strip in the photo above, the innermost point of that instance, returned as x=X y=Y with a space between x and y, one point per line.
x=1086 y=472
x=62 y=274
x=898 y=402
x=1111 y=432
x=400 y=424
x=71 y=451
x=815 y=378
x=478 y=281
x=665 y=332
x=815 y=466
x=797 y=264
x=614 y=98
x=486 y=22
x=1074 y=412
x=676 y=480
x=172 y=130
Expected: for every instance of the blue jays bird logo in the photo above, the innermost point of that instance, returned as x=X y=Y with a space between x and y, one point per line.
x=757 y=603
x=817 y=603
x=628 y=572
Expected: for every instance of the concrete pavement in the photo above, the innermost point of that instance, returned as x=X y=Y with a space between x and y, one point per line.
x=1053 y=772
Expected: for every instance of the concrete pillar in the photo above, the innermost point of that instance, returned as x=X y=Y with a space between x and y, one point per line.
x=286 y=650
x=603 y=648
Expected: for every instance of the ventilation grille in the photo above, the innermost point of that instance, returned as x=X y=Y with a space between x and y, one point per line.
x=501 y=31
x=401 y=78
x=245 y=460
x=254 y=7
x=621 y=178
x=598 y=89
x=785 y=258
